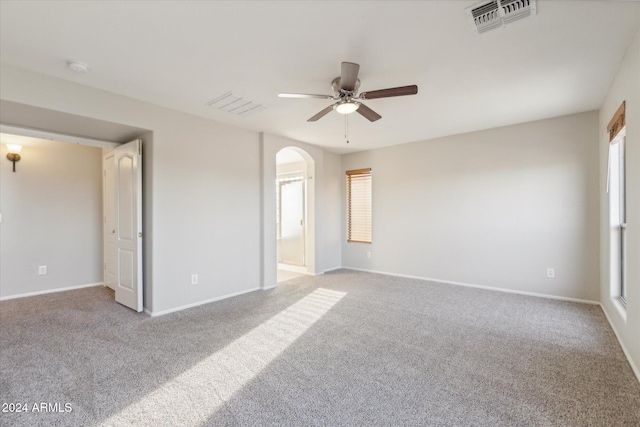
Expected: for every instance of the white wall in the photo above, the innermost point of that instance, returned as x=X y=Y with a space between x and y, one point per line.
x=206 y=210
x=492 y=208
x=51 y=215
x=333 y=213
x=625 y=87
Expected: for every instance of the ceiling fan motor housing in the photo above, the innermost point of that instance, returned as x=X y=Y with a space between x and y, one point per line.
x=339 y=92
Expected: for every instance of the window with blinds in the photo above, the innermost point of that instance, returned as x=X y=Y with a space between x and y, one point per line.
x=359 y=205
x=616 y=187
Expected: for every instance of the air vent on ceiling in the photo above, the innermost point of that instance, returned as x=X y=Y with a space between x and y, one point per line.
x=234 y=104
x=492 y=14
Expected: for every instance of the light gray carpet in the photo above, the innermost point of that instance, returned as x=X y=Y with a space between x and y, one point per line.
x=346 y=348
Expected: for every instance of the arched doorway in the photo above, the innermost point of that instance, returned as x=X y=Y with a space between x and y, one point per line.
x=295 y=194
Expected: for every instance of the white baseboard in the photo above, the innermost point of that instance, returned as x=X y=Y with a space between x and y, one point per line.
x=195 y=304
x=50 y=291
x=269 y=287
x=471 y=285
x=332 y=269
x=634 y=368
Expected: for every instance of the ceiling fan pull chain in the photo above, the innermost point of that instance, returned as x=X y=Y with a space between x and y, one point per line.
x=346 y=127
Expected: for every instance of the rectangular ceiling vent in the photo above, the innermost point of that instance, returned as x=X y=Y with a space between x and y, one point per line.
x=234 y=104
x=492 y=14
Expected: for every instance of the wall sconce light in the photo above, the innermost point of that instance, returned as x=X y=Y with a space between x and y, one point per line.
x=14 y=154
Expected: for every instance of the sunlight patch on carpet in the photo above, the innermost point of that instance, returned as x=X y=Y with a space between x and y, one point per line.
x=195 y=395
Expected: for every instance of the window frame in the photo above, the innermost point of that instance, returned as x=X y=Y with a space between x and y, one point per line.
x=616 y=178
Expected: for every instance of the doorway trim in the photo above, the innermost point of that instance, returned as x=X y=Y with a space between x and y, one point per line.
x=270 y=145
x=309 y=208
x=92 y=142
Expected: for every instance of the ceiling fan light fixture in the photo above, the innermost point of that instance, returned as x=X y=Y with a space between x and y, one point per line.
x=347 y=107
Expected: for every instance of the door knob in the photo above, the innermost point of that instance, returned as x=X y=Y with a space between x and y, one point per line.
x=113 y=231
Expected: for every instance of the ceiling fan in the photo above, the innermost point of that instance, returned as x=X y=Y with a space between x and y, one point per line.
x=345 y=92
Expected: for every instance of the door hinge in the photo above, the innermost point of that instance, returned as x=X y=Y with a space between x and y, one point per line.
x=140 y=147
x=140 y=234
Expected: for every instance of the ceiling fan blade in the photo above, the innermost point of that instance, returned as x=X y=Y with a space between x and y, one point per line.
x=349 y=76
x=368 y=113
x=303 y=95
x=387 y=93
x=321 y=114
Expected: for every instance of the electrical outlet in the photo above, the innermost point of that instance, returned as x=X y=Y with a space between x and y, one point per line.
x=42 y=270
x=368 y=254
x=194 y=279
x=551 y=273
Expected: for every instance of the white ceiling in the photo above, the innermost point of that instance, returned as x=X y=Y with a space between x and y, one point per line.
x=182 y=54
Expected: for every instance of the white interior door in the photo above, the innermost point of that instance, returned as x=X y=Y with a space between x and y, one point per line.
x=128 y=198
x=109 y=213
x=292 y=222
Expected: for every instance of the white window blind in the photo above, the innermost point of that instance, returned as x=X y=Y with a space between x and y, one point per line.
x=359 y=205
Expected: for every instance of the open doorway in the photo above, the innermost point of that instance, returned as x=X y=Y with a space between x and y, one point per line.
x=52 y=216
x=54 y=202
x=292 y=218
